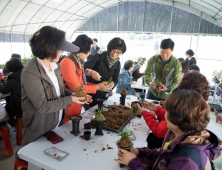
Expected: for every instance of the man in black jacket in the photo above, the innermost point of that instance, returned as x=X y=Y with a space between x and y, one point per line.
x=107 y=65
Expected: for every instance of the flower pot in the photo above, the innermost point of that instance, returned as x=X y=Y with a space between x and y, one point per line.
x=128 y=149
x=123 y=99
x=142 y=95
x=100 y=103
x=87 y=125
x=99 y=126
x=75 y=124
x=87 y=135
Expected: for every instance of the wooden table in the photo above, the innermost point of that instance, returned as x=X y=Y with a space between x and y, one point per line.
x=84 y=154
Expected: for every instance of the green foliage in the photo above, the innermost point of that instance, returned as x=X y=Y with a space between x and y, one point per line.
x=110 y=80
x=80 y=88
x=134 y=109
x=123 y=89
x=99 y=115
x=2 y=66
x=124 y=133
x=25 y=60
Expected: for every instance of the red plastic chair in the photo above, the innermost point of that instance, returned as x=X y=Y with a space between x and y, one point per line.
x=19 y=136
x=4 y=134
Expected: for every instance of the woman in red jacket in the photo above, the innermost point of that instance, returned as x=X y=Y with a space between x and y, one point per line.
x=74 y=75
x=191 y=81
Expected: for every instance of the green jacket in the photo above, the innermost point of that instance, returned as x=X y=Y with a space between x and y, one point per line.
x=169 y=75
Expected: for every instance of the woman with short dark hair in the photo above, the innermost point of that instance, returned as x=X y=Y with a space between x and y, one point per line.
x=190 y=57
x=13 y=86
x=74 y=74
x=44 y=98
x=125 y=79
x=187 y=144
x=107 y=64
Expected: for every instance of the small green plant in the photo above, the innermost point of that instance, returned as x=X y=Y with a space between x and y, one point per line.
x=80 y=88
x=124 y=134
x=123 y=89
x=110 y=80
x=134 y=109
x=99 y=115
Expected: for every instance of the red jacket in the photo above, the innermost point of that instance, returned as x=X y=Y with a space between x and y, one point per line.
x=73 y=80
x=159 y=129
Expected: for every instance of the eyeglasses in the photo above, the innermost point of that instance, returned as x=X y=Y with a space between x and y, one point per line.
x=117 y=53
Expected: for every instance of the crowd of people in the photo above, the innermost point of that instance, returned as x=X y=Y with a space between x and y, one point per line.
x=44 y=94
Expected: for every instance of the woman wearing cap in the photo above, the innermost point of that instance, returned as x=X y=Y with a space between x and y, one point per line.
x=107 y=64
x=44 y=98
x=190 y=57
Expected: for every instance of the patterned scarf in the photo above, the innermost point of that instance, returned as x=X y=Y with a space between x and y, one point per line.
x=81 y=63
x=112 y=61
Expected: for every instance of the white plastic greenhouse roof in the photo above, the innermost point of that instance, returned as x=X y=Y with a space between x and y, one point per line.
x=27 y=16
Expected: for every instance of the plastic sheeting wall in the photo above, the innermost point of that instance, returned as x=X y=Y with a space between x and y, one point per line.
x=149 y=17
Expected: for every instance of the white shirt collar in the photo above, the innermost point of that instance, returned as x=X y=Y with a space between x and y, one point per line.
x=52 y=64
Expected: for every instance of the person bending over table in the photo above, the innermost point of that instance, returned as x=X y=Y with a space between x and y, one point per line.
x=74 y=75
x=187 y=145
x=191 y=81
x=164 y=68
x=125 y=79
x=107 y=64
x=44 y=97
x=13 y=86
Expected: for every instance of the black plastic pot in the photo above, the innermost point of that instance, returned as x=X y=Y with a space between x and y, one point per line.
x=87 y=125
x=99 y=127
x=214 y=106
x=100 y=103
x=217 y=111
x=87 y=135
x=75 y=124
x=143 y=81
x=123 y=99
x=139 y=116
x=142 y=95
x=128 y=149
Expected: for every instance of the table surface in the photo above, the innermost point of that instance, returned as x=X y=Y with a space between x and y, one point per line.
x=139 y=85
x=4 y=95
x=84 y=154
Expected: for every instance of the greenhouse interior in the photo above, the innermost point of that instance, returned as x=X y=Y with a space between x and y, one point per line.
x=143 y=26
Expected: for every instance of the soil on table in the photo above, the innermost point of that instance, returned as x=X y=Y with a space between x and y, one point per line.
x=116 y=116
x=123 y=92
x=82 y=94
x=125 y=143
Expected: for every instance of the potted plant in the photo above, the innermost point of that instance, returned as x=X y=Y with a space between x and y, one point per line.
x=81 y=93
x=134 y=108
x=99 y=119
x=75 y=124
x=160 y=86
x=124 y=142
x=109 y=81
x=123 y=94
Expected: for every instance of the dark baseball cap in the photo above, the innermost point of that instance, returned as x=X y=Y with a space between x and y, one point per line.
x=67 y=46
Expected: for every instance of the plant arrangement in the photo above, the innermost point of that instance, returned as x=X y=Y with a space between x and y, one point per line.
x=81 y=93
x=125 y=141
x=134 y=109
x=109 y=81
x=160 y=86
x=99 y=115
x=123 y=92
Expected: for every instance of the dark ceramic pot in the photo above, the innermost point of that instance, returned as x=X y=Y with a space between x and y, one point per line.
x=128 y=149
x=123 y=99
x=75 y=124
x=99 y=127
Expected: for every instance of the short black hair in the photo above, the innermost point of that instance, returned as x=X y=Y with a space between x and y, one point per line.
x=128 y=64
x=46 y=41
x=94 y=39
x=190 y=52
x=180 y=59
x=193 y=67
x=13 y=65
x=16 y=55
x=116 y=43
x=84 y=43
x=167 y=43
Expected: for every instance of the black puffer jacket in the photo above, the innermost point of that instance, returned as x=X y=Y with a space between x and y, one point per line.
x=13 y=86
x=99 y=63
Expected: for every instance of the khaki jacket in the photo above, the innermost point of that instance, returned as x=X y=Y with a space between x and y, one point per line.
x=39 y=101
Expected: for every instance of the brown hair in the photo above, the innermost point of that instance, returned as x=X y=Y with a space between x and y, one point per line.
x=187 y=110
x=195 y=81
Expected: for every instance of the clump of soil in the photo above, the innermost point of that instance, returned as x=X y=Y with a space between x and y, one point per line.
x=103 y=149
x=160 y=86
x=99 y=115
x=81 y=93
x=108 y=82
x=134 y=109
x=125 y=143
x=123 y=92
